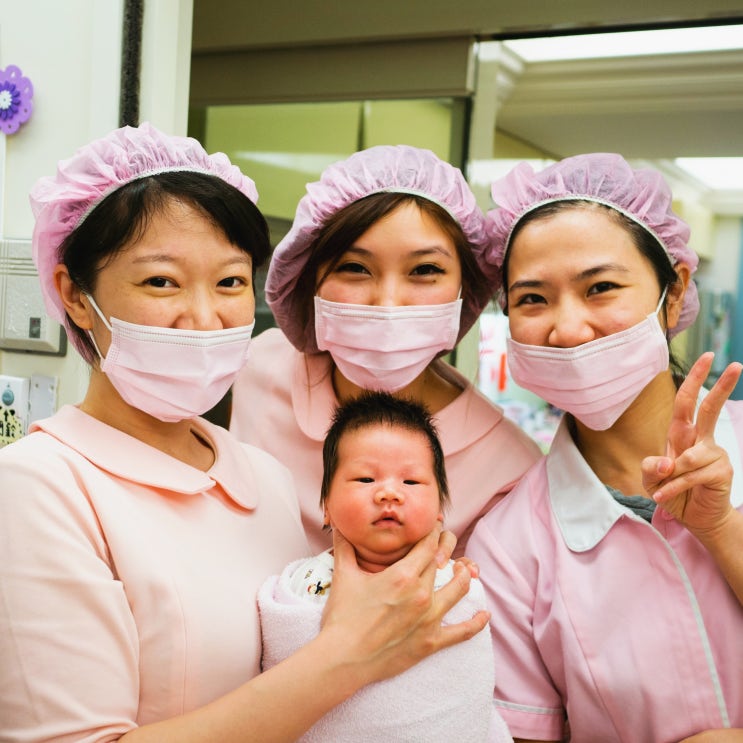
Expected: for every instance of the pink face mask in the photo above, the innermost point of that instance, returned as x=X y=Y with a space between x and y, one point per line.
x=596 y=381
x=172 y=374
x=385 y=348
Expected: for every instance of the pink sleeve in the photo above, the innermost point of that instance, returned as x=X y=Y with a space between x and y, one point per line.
x=524 y=693
x=68 y=645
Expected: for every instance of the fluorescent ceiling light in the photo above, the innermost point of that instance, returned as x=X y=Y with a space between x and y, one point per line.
x=721 y=173
x=628 y=43
x=718 y=173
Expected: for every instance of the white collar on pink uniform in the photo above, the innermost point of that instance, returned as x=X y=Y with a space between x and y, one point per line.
x=131 y=459
x=584 y=508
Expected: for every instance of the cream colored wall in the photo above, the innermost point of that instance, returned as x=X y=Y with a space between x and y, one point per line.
x=74 y=68
x=71 y=51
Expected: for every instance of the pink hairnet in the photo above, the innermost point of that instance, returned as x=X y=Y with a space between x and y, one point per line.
x=61 y=202
x=385 y=168
x=606 y=178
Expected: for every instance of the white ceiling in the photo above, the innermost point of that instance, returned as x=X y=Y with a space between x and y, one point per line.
x=596 y=93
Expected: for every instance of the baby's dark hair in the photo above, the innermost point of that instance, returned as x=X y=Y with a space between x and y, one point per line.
x=381 y=409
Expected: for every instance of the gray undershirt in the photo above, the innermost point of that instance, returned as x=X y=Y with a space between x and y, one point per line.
x=638 y=504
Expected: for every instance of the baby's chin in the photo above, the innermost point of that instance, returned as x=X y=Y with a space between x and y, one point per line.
x=373 y=562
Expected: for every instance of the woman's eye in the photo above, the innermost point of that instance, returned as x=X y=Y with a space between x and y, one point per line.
x=427 y=269
x=351 y=267
x=159 y=282
x=233 y=282
x=528 y=299
x=602 y=286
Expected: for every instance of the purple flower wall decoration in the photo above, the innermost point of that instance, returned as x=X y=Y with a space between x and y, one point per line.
x=16 y=93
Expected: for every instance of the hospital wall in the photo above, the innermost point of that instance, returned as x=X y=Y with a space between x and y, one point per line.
x=71 y=52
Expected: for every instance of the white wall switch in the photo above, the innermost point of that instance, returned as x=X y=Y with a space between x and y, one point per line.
x=42 y=397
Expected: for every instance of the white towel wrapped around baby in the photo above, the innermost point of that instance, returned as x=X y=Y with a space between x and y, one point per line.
x=446 y=697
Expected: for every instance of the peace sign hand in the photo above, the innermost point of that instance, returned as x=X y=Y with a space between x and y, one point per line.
x=692 y=482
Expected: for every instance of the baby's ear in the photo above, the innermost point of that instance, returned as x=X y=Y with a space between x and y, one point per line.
x=325 y=517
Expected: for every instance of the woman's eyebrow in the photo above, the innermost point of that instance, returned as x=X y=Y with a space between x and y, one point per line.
x=441 y=249
x=603 y=268
x=154 y=258
x=526 y=284
x=428 y=250
x=588 y=273
x=244 y=259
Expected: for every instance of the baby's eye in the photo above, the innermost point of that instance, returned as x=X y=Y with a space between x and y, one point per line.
x=365 y=479
x=159 y=282
x=426 y=269
x=411 y=482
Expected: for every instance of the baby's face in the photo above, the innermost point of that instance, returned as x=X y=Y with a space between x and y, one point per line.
x=384 y=496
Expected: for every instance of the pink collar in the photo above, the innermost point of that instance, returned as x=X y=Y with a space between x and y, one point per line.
x=129 y=458
x=469 y=417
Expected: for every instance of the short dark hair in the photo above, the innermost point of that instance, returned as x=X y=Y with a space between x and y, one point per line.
x=341 y=230
x=123 y=216
x=643 y=239
x=381 y=409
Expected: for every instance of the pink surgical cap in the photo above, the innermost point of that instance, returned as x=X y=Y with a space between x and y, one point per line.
x=642 y=195
x=385 y=168
x=61 y=202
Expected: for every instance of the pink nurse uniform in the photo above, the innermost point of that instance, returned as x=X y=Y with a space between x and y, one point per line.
x=627 y=626
x=128 y=579
x=291 y=395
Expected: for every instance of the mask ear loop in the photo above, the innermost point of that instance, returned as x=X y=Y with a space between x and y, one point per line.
x=660 y=306
x=662 y=299
x=103 y=319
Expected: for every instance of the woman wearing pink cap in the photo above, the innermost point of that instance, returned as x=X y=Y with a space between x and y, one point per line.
x=383 y=271
x=614 y=569
x=134 y=535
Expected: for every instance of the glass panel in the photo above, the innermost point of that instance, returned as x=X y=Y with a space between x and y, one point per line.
x=282 y=147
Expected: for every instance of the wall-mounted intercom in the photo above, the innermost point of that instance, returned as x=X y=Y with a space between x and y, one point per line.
x=24 y=324
x=14 y=396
